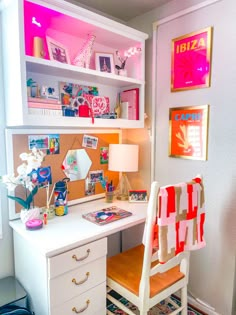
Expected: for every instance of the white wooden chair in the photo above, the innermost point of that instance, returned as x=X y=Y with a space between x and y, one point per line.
x=138 y=276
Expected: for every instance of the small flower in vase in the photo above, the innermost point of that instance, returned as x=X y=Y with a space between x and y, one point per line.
x=31 y=162
x=127 y=54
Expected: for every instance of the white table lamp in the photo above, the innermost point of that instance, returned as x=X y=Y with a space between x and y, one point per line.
x=123 y=158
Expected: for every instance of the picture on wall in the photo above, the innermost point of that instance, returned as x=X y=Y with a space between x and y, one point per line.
x=191 y=60
x=188 y=132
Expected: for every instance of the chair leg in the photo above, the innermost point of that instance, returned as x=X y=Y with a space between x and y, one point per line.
x=184 y=300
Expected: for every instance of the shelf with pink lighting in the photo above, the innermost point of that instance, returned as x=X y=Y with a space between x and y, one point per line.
x=35 y=28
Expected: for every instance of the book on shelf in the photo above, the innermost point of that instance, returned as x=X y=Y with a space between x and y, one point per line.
x=44 y=100
x=44 y=105
x=106 y=215
x=130 y=104
x=45 y=111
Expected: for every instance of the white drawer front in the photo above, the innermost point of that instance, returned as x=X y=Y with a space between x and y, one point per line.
x=77 y=281
x=76 y=257
x=91 y=302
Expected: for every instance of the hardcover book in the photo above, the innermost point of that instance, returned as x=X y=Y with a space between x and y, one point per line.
x=106 y=215
x=131 y=98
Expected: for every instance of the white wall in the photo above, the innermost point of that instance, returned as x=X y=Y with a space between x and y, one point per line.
x=6 y=254
x=212 y=269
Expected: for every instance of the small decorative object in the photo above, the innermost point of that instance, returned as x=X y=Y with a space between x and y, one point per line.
x=34 y=224
x=57 y=51
x=31 y=162
x=104 y=62
x=191 y=61
x=38 y=47
x=127 y=54
x=118 y=106
x=60 y=197
x=84 y=55
x=188 y=132
x=137 y=196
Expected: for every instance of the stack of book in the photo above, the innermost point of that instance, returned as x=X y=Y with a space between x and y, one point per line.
x=44 y=106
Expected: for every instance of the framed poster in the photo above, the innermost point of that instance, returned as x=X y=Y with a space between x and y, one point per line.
x=191 y=61
x=188 y=132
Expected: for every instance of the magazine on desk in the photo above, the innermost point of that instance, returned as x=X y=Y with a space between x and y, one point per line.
x=106 y=215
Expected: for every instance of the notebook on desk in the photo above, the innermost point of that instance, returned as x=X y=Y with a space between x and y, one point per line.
x=106 y=215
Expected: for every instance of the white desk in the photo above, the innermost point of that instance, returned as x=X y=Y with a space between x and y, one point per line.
x=44 y=264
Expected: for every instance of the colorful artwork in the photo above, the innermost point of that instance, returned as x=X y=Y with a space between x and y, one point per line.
x=42 y=176
x=104 y=155
x=191 y=60
x=188 y=132
x=54 y=144
x=69 y=91
x=38 y=141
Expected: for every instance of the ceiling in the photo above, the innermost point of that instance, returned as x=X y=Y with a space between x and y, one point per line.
x=121 y=9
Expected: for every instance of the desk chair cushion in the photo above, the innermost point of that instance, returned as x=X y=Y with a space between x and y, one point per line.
x=126 y=269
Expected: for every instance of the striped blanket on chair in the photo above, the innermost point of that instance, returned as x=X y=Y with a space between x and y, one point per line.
x=180 y=218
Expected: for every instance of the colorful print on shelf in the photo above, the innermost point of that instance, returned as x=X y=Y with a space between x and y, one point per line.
x=68 y=91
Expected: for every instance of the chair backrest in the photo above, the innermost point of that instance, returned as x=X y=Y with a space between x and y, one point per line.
x=153 y=242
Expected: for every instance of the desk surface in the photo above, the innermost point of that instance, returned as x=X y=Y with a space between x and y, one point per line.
x=70 y=231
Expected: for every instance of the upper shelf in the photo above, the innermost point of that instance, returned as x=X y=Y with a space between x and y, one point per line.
x=73 y=72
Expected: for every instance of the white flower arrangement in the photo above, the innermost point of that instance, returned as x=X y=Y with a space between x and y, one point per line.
x=32 y=161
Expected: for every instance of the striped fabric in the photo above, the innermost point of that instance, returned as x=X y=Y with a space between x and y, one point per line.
x=180 y=218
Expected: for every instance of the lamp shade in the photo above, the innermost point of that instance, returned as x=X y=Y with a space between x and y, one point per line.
x=123 y=157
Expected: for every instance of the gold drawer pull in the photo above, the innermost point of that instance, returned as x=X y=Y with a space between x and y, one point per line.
x=82 y=258
x=82 y=309
x=82 y=281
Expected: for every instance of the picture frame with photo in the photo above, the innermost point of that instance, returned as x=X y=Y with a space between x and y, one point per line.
x=104 y=62
x=138 y=196
x=57 y=51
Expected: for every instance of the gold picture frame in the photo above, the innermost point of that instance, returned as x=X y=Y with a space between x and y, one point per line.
x=188 y=132
x=191 y=60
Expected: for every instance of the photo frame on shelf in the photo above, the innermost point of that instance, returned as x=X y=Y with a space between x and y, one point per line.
x=104 y=62
x=138 y=196
x=191 y=60
x=188 y=132
x=57 y=51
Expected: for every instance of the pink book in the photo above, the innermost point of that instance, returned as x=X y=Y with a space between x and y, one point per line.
x=43 y=105
x=132 y=97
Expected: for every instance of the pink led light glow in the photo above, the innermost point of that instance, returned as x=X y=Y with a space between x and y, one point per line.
x=33 y=16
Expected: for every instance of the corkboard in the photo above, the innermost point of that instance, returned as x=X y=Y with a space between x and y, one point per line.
x=67 y=142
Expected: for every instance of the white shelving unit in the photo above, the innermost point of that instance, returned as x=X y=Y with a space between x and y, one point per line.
x=70 y=25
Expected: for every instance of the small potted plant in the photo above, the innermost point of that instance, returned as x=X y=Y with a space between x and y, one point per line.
x=31 y=162
x=127 y=54
x=121 y=69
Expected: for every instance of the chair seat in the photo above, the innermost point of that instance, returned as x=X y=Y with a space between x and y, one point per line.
x=126 y=269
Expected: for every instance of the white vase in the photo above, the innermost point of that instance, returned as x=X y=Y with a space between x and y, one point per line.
x=122 y=72
x=33 y=213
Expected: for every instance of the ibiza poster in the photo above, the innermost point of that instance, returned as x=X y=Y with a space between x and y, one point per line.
x=191 y=60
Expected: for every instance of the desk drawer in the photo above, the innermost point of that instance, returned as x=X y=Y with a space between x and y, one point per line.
x=76 y=257
x=64 y=288
x=92 y=301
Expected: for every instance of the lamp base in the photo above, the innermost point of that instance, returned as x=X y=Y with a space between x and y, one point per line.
x=122 y=191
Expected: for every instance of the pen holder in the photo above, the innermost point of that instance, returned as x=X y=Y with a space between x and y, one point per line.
x=109 y=196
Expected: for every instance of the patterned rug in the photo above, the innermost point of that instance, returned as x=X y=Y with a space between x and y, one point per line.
x=163 y=308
